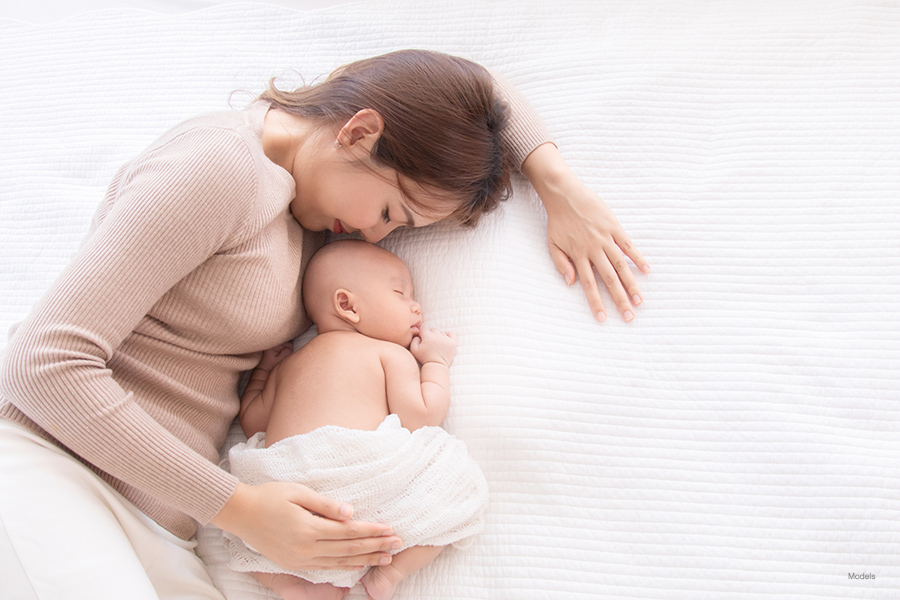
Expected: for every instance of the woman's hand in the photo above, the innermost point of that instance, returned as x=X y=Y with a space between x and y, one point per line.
x=583 y=234
x=281 y=520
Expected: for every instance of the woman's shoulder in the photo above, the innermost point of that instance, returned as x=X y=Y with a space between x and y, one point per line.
x=229 y=144
x=216 y=157
x=246 y=122
x=215 y=134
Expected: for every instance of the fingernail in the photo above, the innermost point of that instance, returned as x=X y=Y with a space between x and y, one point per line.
x=645 y=268
x=601 y=316
x=628 y=316
x=346 y=511
x=388 y=532
x=386 y=560
x=396 y=546
x=636 y=299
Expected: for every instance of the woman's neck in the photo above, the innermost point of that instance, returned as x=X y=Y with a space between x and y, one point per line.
x=285 y=136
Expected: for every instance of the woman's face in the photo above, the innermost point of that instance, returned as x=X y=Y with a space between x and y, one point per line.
x=340 y=189
x=346 y=198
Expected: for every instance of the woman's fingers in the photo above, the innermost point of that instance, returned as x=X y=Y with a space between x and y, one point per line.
x=291 y=525
x=615 y=276
x=377 y=537
x=358 y=552
x=591 y=289
x=630 y=250
x=341 y=543
x=349 y=544
x=562 y=263
x=612 y=268
x=322 y=505
x=627 y=284
x=598 y=249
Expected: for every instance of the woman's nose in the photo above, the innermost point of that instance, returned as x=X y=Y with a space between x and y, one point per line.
x=376 y=233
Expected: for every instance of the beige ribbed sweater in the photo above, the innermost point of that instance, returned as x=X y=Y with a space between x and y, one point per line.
x=131 y=360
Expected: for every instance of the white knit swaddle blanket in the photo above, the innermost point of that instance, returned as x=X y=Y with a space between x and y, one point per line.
x=422 y=483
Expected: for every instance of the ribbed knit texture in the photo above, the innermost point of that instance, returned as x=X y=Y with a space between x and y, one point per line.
x=526 y=131
x=192 y=268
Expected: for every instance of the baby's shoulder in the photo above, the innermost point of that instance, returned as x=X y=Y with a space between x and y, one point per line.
x=339 y=343
x=356 y=346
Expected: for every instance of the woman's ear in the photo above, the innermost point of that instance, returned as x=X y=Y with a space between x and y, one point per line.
x=365 y=128
x=345 y=305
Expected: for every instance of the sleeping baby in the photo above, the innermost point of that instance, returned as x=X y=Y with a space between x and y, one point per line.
x=353 y=416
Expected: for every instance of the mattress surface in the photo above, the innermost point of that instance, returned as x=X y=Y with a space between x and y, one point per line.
x=740 y=438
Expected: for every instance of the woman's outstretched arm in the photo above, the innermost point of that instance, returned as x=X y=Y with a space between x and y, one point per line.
x=583 y=235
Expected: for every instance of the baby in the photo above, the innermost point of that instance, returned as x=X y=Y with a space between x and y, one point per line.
x=353 y=416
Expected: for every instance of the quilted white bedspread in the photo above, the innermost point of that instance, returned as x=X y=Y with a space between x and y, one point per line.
x=739 y=439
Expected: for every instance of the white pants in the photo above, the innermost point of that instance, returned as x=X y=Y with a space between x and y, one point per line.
x=66 y=534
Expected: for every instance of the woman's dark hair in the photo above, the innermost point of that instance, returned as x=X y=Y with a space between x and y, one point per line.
x=442 y=122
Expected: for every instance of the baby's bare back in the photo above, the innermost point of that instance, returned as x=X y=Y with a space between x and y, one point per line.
x=336 y=379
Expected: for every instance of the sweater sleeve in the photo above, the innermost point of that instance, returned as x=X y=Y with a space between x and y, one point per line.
x=526 y=131
x=176 y=206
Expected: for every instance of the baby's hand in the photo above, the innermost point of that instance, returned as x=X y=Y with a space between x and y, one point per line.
x=434 y=346
x=273 y=356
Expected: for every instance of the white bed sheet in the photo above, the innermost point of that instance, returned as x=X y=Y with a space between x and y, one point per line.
x=44 y=12
x=740 y=438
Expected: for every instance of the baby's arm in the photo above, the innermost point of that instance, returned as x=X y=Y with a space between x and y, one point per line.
x=421 y=397
x=255 y=409
x=435 y=351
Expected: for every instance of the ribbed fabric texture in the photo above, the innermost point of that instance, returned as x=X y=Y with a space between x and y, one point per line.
x=192 y=268
x=525 y=132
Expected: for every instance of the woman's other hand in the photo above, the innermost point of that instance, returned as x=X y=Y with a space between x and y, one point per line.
x=302 y=530
x=583 y=234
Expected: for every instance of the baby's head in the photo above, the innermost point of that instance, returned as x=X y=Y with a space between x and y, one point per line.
x=351 y=285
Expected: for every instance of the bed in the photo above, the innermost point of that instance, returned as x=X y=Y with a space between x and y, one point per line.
x=740 y=438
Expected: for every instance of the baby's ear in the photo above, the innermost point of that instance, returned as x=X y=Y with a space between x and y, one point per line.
x=345 y=305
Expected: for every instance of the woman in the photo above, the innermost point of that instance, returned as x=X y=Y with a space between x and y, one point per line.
x=131 y=360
